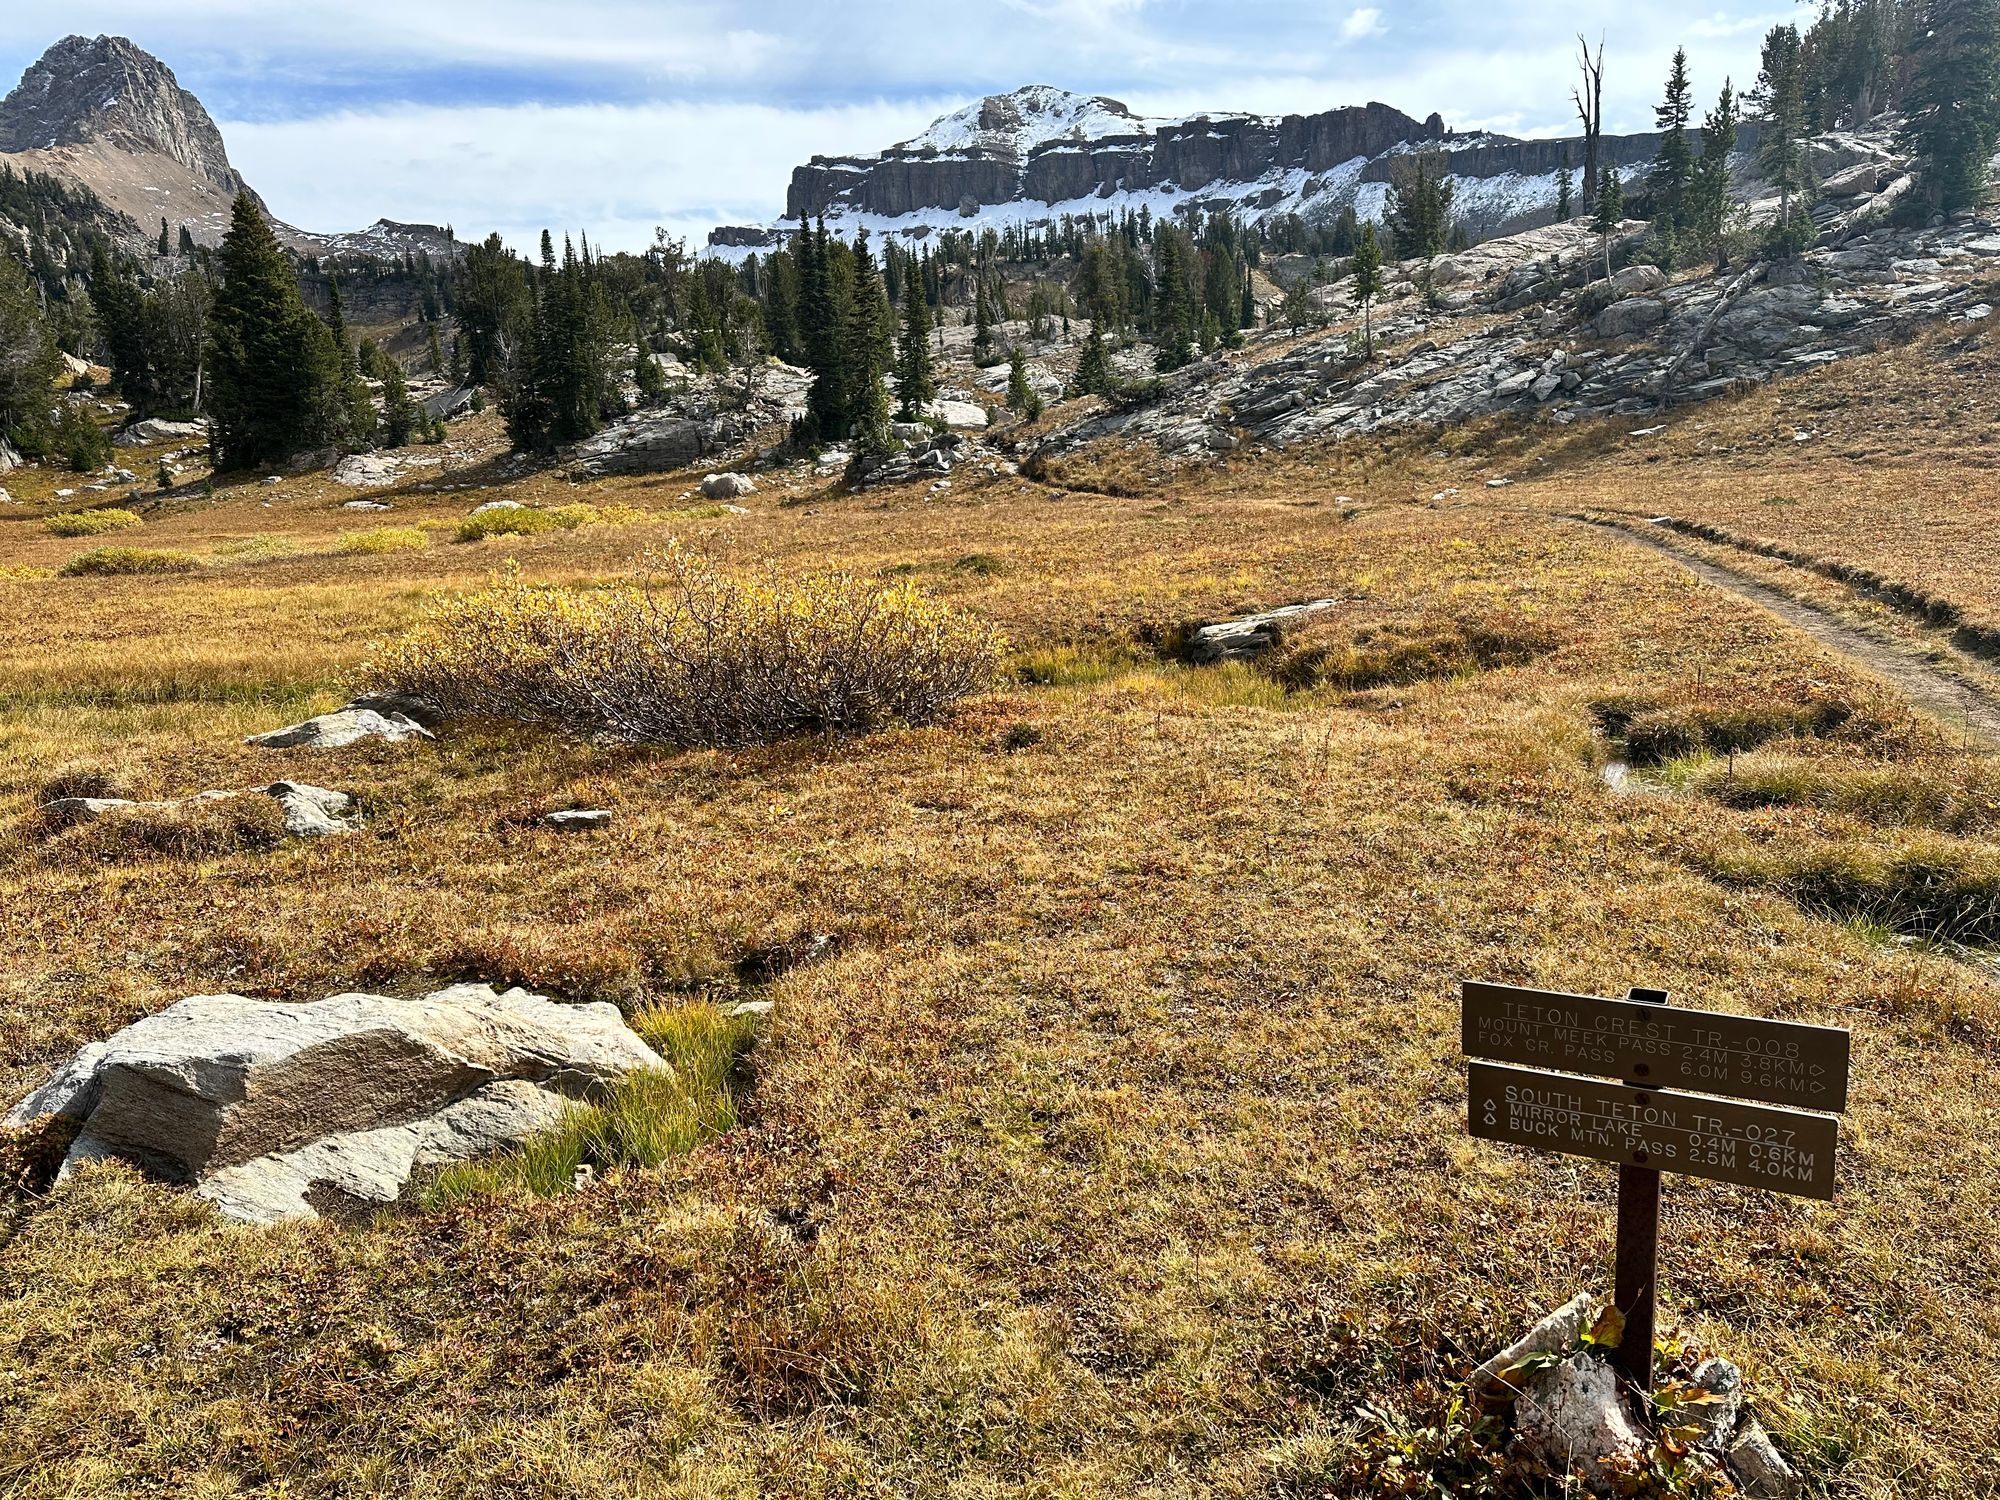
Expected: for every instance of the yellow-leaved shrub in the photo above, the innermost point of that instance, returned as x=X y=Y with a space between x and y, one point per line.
x=92 y=522
x=690 y=656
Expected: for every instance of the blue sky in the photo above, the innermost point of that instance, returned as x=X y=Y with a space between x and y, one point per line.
x=612 y=116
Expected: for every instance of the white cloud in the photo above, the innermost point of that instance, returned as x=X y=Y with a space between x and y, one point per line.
x=1365 y=22
x=612 y=171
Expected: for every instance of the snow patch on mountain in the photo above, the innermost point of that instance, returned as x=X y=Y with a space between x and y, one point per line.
x=1016 y=123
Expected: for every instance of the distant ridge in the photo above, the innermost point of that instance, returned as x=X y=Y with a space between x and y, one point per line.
x=1039 y=154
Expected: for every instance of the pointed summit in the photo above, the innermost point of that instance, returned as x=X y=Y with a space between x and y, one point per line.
x=108 y=114
x=110 y=91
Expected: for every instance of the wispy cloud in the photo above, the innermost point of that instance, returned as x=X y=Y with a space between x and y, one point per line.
x=613 y=171
x=1365 y=22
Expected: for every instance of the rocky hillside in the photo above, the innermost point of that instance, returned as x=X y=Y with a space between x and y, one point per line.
x=107 y=115
x=1526 y=325
x=1039 y=154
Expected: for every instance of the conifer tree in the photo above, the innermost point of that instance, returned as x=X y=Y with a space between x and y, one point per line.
x=166 y=246
x=1781 y=101
x=28 y=359
x=1673 y=166
x=355 y=420
x=1019 y=393
x=528 y=396
x=187 y=241
x=1565 y=193
x=1368 y=283
x=704 y=329
x=1708 y=194
x=434 y=353
x=819 y=335
x=982 y=324
x=1176 y=313
x=1954 y=101
x=647 y=376
x=1417 y=212
x=274 y=387
x=400 y=415
x=1093 y=369
x=1610 y=212
x=916 y=381
x=862 y=356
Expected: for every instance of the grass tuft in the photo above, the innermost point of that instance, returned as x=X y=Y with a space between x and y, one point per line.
x=529 y=521
x=92 y=522
x=1938 y=889
x=108 y=562
x=384 y=539
x=193 y=830
x=643 y=1120
x=1399 y=653
x=1888 y=796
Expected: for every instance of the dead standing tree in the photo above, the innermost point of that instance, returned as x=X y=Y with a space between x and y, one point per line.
x=1589 y=100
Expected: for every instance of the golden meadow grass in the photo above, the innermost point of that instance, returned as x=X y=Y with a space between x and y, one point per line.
x=1114 y=1144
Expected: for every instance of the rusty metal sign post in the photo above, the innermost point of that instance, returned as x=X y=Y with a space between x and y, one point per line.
x=1674 y=1109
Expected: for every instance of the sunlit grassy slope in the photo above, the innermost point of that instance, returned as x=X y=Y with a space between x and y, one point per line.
x=1114 y=1146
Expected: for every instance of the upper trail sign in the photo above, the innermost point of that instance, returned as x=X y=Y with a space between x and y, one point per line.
x=1655 y=1118
x=1775 y=1062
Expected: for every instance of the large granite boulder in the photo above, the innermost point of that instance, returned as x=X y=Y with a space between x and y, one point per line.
x=727 y=486
x=341 y=728
x=1638 y=281
x=1635 y=315
x=272 y=1110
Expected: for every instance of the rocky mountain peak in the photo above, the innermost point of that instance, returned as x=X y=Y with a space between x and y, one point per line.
x=108 y=91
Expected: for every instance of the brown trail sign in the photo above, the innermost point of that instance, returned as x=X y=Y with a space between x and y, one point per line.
x=1647 y=1122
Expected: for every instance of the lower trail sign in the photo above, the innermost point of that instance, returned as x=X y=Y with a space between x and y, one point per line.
x=1648 y=1122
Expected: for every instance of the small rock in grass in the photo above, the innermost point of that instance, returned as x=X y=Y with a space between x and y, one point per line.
x=579 y=820
x=273 y=479
x=1724 y=1382
x=313 y=811
x=1237 y=640
x=1759 y=1469
x=493 y=505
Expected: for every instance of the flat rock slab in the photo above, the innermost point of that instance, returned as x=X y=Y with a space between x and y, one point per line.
x=1238 y=640
x=362 y=471
x=581 y=820
x=965 y=416
x=341 y=728
x=310 y=811
x=263 y=1106
x=159 y=430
